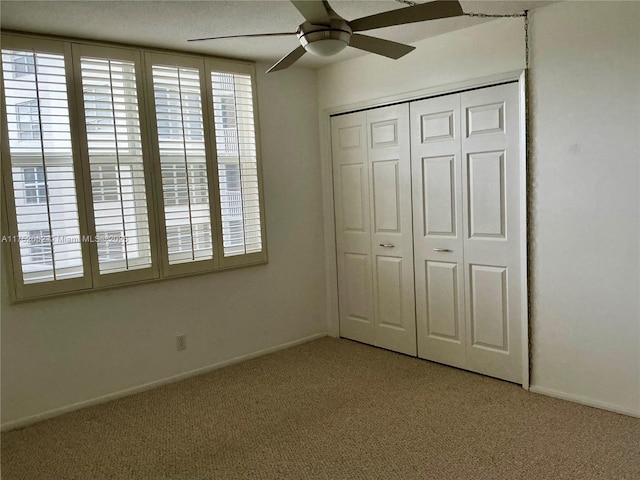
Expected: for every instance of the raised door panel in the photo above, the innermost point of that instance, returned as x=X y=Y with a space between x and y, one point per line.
x=353 y=227
x=485 y=118
x=489 y=311
x=354 y=211
x=391 y=232
x=492 y=247
x=439 y=196
x=437 y=218
x=357 y=297
x=486 y=190
x=350 y=137
x=443 y=316
x=384 y=133
x=438 y=126
x=386 y=192
x=389 y=283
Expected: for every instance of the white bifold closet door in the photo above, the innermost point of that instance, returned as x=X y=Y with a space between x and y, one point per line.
x=374 y=238
x=466 y=172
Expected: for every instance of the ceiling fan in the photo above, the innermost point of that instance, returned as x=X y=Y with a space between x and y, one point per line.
x=326 y=33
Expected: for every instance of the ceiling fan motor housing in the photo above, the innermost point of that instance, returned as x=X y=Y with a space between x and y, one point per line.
x=325 y=40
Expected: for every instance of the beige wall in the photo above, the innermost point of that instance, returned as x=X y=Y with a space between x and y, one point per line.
x=585 y=164
x=58 y=352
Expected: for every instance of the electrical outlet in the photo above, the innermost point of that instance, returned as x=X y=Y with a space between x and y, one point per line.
x=181 y=342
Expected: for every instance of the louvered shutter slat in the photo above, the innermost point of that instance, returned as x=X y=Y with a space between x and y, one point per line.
x=183 y=168
x=114 y=145
x=237 y=163
x=42 y=166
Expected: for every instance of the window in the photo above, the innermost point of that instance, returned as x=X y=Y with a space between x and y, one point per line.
x=148 y=187
x=23 y=63
x=230 y=193
x=35 y=189
x=183 y=160
x=237 y=163
x=105 y=183
x=110 y=246
x=40 y=253
x=116 y=160
x=98 y=110
x=28 y=121
x=175 y=188
x=168 y=103
x=183 y=239
x=43 y=177
x=174 y=181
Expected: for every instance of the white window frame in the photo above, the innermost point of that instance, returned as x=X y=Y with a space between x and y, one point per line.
x=229 y=66
x=169 y=60
x=18 y=289
x=135 y=275
x=143 y=59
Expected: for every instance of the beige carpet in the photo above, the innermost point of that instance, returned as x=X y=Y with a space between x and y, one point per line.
x=329 y=409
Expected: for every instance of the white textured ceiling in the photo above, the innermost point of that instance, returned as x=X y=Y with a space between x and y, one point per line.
x=168 y=24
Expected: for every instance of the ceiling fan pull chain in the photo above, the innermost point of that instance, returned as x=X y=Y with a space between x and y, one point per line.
x=526 y=39
x=496 y=15
x=524 y=14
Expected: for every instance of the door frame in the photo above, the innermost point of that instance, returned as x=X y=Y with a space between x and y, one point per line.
x=328 y=212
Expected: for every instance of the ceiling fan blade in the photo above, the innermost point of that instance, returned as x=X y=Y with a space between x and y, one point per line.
x=288 y=60
x=315 y=11
x=243 y=36
x=416 y=13
x=380 y=46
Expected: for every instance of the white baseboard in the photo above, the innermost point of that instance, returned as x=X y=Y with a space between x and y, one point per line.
x=23 y=422
x=583 y=400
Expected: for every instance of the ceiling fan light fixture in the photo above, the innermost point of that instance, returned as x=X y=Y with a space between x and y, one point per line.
x=325 y=43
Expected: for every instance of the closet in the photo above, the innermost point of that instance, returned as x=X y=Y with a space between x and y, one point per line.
x=429 y=238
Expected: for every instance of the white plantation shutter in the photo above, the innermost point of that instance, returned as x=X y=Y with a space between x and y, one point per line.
x=42 y=173
x=233 y=106
x=116 y=161
x=182 y=152
x=98 y=138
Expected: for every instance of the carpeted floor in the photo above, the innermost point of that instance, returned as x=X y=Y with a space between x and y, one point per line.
x=329 y=409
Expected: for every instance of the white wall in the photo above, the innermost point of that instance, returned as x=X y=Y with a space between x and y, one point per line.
x=585 y=79
x=61 y=351
x=585 y=163
x=486 y=49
